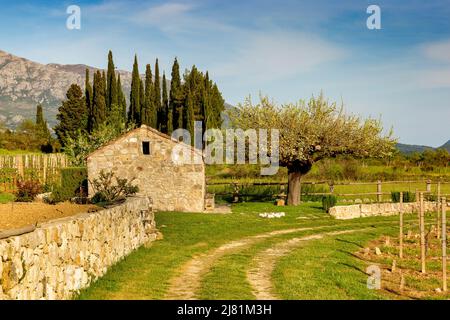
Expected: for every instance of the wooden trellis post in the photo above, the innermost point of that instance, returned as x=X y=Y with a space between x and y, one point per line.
x=428 y=186
x=379 y=194
x=401 y=227
x=444 y=243
x=418 y=204
x=422 y=234
x=438 y=209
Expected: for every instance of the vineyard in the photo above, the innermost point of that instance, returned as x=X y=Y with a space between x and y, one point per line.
x=43 y=167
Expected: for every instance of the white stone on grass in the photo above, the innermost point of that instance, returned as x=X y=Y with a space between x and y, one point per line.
x=271 y=215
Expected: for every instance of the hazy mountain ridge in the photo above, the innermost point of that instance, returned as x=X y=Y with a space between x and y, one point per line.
x=411 y=148
x=24 y=84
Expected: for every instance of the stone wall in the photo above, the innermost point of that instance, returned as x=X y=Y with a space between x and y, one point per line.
x=171 y=186
x=63 y=256
x=377 y=209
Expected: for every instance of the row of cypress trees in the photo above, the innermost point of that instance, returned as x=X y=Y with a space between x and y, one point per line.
x=105 y=100
x=195 y=98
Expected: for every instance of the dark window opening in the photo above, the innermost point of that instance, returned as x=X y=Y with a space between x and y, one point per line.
x=146 y=147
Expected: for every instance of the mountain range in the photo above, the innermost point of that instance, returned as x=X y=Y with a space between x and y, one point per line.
x=24 y=84
x=411 y=148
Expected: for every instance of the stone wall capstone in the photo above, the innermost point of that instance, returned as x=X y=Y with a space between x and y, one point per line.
x=378 y=209
x=64 y=256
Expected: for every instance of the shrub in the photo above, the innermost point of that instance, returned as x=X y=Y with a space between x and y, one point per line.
x=108 y=192
x=407 y=196
x=27 y=190
x=328 y=202
x=73 y=184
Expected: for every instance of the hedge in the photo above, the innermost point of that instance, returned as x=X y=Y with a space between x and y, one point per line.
x=73 y=184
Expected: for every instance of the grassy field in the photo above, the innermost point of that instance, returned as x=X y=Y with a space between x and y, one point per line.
x=329 y=169
x=267 y=193
x=320 y=268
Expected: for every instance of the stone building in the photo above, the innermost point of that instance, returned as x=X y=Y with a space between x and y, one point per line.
x=151 y=159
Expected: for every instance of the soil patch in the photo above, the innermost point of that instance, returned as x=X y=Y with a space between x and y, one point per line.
x=15 y=215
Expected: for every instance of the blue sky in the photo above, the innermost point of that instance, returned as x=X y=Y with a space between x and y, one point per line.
x=285 y=49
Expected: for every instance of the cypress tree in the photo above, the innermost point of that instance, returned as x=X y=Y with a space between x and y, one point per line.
x=141 y=100
x=133 y=113
x=176 y=96
x=206 y=102
x=168 y=128
x=39 y=115
x=217 y=106
x=190 y=116
x=103 y=83
x=88 y=96
x=70 y=114
x=99 y=103
x=111 y=85
x=41 y=124
x=157 y=98
x=149 y=114
x=121 y=100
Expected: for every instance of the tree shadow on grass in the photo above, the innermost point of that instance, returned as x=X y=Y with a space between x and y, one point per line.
x=352 y=267
x=350 y=242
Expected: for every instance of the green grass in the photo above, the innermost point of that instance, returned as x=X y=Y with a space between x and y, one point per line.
x=326 y=269
x=318 y=269
x=145 y=273
x=6 y=197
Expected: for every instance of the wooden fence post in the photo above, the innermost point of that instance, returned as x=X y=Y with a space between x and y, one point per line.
x=444 y=243
x=379 y=194
x=235 y=193
x=428 y=186
x=438 y=222
x=422 y=234
x=401 y=227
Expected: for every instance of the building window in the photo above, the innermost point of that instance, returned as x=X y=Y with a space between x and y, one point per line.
x=146 y=147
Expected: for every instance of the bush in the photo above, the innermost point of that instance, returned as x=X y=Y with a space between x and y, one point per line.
x=108 y=192
x=407 y=196
x=328 y=202
x=27 y=190
x=73 y=184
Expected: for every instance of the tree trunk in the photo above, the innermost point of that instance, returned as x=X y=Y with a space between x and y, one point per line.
x=294 y=187
x=296 y=170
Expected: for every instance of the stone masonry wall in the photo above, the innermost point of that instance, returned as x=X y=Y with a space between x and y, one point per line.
x=171 y=186
x=377 y=209
x=63 y=256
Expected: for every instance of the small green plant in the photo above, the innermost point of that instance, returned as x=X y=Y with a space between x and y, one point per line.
x=407 y=196
x=106 y=191
x=27 y=190
x=328 y=202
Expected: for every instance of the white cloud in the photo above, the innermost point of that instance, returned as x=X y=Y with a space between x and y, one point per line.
x=437 y=78
x=176 y=18
x=438 y=51
x=437 y=75
x=165 y=13
x=278 y=54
